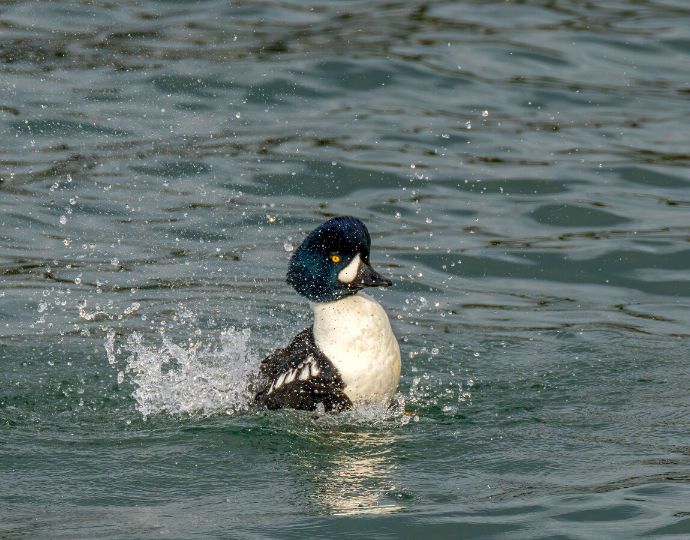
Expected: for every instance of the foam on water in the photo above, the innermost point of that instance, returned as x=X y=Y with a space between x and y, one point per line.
x=195 y=378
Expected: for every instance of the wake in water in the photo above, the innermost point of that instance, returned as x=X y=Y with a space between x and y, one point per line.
x=197 y=378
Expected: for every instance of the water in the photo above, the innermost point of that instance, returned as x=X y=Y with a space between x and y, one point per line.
x=523 y=169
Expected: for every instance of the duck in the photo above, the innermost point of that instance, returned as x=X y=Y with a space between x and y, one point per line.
x=349 y=356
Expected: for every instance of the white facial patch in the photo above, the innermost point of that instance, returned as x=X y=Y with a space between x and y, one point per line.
x=349 y=273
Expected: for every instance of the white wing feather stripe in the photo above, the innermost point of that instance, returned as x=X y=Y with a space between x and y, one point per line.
x=305 y=370
x=304 y=374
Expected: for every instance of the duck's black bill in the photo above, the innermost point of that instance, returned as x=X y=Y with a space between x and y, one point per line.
x=368 y=277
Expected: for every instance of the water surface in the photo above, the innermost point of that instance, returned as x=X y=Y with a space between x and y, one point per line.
x=523 y=168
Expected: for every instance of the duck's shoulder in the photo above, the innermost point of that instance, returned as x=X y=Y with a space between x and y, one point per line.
x=302 y=346
x=300 y=376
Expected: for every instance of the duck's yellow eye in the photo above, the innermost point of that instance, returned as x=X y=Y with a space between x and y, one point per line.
x=335 y=258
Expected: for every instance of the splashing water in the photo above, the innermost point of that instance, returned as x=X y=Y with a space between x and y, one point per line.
x=196 y=378
x=212 y=376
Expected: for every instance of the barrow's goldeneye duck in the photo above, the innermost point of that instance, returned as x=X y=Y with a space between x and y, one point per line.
x=350 y=354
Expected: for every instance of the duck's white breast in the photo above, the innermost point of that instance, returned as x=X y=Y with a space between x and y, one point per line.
x=356 y=336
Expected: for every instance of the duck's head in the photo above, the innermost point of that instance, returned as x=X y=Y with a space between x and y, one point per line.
x=333 y=262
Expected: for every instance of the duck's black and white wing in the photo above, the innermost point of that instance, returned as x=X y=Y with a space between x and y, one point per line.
x=300 y=376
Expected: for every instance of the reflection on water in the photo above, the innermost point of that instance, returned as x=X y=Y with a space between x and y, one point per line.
x=357 y=476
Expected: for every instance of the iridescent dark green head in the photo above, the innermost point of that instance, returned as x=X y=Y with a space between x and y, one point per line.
x=333 y=262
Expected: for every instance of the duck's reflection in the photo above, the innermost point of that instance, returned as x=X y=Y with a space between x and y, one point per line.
x=355 y=474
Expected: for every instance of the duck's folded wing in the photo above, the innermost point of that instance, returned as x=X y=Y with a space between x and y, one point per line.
x=300 y=376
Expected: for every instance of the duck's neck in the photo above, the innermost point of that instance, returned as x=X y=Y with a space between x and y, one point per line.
x=340 y=320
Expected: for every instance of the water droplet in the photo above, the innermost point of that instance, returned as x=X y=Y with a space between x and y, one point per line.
x=63 y=220
x=115 y=261
x=429 y=220
x=287 y=246
x=120 y=377
x=131 y=309
x=77 y=280
x=485 y=113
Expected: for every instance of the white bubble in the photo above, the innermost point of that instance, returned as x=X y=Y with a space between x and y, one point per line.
x=131 y=309
x=63 y=220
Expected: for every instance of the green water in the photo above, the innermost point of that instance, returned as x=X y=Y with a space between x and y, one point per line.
x=523 y=168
